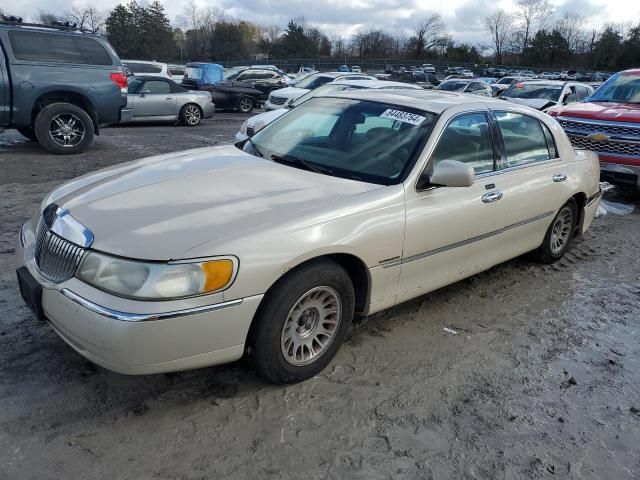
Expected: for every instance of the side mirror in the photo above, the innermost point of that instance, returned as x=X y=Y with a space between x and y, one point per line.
x=451 y=173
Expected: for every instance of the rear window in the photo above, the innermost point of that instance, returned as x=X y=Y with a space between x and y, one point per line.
x=51 y=47
x=150 y=68
x=176 y=71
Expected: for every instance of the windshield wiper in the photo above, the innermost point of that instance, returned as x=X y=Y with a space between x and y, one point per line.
x=300 y=163
x=255 y=147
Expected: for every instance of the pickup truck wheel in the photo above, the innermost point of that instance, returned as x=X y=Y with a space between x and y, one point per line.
x=64 y=128
x=246 y=104
x=558 y=237
x=28 y=132
x=190 y=115
x=302 y=323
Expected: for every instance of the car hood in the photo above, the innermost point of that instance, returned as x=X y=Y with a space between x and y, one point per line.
x=263 y=119
x=160 y=207
x=616 y=112
x=537 y=103
x=290 y=92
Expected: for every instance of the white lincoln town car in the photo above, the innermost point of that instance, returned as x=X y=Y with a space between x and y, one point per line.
x=347 y=205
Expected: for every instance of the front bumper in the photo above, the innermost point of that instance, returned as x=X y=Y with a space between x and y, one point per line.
x=141 y=343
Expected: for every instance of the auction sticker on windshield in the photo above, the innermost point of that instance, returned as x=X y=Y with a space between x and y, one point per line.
x=401 y=116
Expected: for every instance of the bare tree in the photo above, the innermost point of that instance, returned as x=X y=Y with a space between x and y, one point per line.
x=427 y=35
x=570 y=26
x=499 y=25
x=46 y=17
x=86 y=17
x=531 y=16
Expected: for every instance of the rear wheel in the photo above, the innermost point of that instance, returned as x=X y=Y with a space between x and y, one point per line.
x=28 y=132
x=245 y=104
x=191 y=115
x=559 y=235
x=64 y=128
x=302 y=323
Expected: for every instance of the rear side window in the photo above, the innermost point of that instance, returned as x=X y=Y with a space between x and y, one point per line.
x=176 y=71
x=157 y=86
x=524 y=139
x=51 y=47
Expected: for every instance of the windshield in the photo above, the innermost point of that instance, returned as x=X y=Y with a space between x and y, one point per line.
x=313 y=81
x=452 y=86
x=360 y=140
x=543 y=92
x=505 y=80
x=233 y=72
x=621 y=87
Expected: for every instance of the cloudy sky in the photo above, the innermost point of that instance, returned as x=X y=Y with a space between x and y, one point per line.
x=344 y=17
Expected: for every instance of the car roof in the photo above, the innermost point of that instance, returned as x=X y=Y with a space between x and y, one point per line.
x=149 y=62
x=338 y=74
x=376 y=84
x=435 y=101
x=547 y=82
x=152 y=77
x=461 y=79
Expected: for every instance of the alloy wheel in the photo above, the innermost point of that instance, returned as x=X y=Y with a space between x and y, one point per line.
x=311 y=326
x=245 y=104
x=66 y=129
x=192 y=115
x=561 y=230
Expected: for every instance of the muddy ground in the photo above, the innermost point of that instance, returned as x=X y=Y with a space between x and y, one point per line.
x=541 y=381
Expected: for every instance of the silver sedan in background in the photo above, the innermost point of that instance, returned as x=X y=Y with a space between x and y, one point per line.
x=465 y=85
x=155 y=99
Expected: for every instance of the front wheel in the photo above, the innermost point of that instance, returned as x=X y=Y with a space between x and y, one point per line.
x=559 y=235
x=191 y=115
x=302 y=323
x=64 y=128
x=245 y=104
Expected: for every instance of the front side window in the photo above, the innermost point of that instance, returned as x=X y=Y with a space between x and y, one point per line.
x=524 y=139
x=157 y=87
x=361 y=140
x=151 y=68
x=466 y=139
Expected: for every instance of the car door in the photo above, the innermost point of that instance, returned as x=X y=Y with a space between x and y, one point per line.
x=534 y=181
x=154 y=99
x=449 y=230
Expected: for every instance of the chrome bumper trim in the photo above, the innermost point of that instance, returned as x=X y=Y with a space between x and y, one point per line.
x=144 y=317
x=594 y=197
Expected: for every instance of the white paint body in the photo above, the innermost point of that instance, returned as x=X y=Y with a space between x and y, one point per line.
x=272 y=217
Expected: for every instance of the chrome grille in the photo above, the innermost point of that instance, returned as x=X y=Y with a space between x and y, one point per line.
x=277 y=100
x=614 y=147
x=250 y=131
x=56 y=258
x=614 y=130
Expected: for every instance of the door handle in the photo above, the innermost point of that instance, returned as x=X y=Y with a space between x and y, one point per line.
x=490 y=197
x=559 y=177
x=168 y=98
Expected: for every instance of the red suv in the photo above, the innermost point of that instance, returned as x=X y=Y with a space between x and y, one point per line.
x=608 y=123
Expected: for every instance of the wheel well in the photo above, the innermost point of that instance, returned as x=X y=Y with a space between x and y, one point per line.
x=581 y=200
x=355 y=268
x=65 y=97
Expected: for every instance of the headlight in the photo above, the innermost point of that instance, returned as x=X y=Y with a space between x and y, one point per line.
x=160 y=281
x=243 y=127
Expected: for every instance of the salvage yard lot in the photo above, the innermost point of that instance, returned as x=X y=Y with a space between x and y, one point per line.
x=540 y=380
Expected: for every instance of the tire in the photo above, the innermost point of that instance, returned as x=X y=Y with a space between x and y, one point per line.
x=559 y=235
x=28 y=132
x=281 y=327
x=191 y=115
x=245 y=104
x=77 y=124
